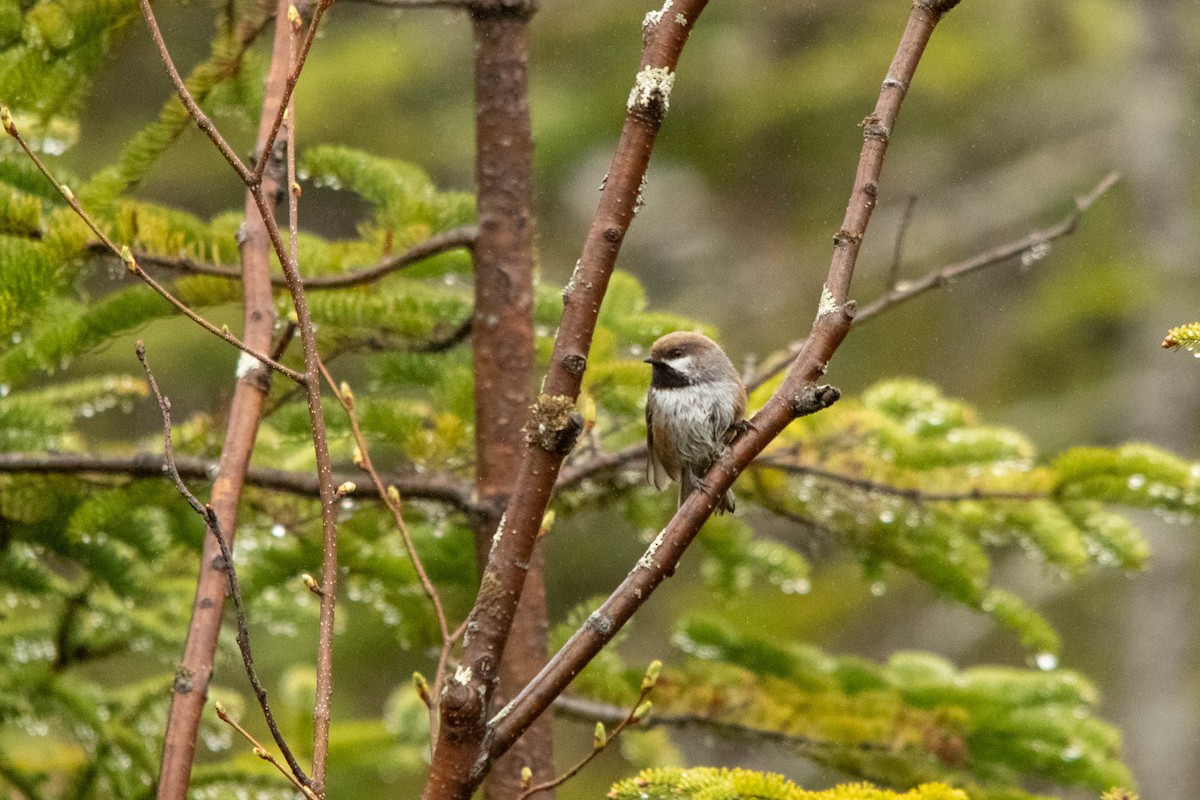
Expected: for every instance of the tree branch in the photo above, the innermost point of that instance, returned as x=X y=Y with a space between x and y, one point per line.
x=636 y=713
x=435 y=488
x=209 y=515
x=585 y=710
x=461 y=757
x=231 y=472
x=877 y=487
x=130 y=262
x=185 y=96
x=1031 y=244
x=797 y=395
x=463 y=237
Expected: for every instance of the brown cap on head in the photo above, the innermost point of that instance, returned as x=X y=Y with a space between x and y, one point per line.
x=680 y=344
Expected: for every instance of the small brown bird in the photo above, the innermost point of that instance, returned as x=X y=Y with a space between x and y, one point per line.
x=694 y=408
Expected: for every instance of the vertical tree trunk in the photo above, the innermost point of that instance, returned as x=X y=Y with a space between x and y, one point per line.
x=190 y=688
x=503 y=339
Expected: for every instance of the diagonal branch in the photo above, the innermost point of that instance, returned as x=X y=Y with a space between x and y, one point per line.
x=203 y=122
x=461 y=757
x=130 y=262
x=1033 y=244
x=233 y=469
x=797 y=395
x=209 y=515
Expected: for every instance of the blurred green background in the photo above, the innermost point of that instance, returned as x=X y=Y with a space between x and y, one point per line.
x=1017 y=107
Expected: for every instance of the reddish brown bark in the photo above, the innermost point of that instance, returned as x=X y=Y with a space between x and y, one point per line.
x=502 y=338
x=190 y=689
x=797 y=395
x=459 y=761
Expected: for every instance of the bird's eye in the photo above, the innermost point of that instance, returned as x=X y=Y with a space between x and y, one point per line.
x=676 y=353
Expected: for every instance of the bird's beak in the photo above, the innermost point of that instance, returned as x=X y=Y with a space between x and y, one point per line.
x=651 y=361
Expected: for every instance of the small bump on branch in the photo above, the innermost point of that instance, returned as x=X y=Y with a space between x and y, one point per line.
x=813 y=398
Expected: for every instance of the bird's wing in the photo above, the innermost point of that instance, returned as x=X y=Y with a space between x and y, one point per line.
x=656 y=472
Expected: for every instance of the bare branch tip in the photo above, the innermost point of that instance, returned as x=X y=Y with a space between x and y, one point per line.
x=813 y=398
x=936 y=7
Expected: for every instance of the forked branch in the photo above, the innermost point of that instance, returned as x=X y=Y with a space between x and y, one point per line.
x=131 y=264
x=209 y=515
x=798 y=394
x=462 y=757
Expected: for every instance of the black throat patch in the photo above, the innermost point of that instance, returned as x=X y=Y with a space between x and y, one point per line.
x=667 y=377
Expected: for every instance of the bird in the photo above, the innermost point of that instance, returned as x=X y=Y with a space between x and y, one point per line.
x=694 y=409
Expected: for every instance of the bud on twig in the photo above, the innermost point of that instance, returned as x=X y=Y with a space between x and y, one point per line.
x=347 y=395
x=261 y=753
x=312 y=584
x=357 y=457
x=393 y=495
x=651 y=677
x=526 y=777
x=346 y=488
x=6 y=120
x=641 y=712
x=127 y=259
x=422 y=687
x=599 y=737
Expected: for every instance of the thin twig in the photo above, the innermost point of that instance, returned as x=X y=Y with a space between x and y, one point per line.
x=202 y=120
x=1028 y=244
x=901 y=233
x=391 y=498
x=261 y=751
x=207 y=513
x=939 y=277
x=288 y=90
x=634 y=716
x=876 y=487
x=584 y=710
x=453 y=239
x=124 y=254
x=431 y=487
